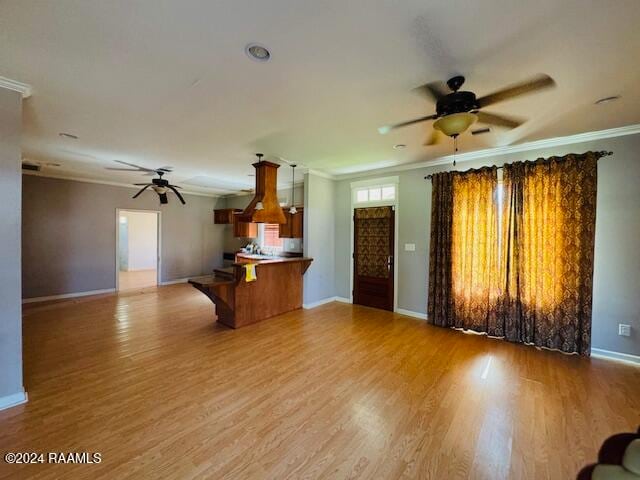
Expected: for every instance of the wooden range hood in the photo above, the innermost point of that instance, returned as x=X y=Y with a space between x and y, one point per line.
x=266 y=195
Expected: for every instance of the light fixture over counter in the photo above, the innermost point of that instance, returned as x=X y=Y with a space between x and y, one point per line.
x=293 y=210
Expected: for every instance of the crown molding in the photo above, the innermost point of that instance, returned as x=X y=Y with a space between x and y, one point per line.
x=280 y=188
x=16 y=86
x=105 y=182
x=320 y=173
x=505 y=150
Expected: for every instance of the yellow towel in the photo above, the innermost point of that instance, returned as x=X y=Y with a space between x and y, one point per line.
x=250 y=272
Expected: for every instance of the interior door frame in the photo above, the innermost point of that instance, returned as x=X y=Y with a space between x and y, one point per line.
x=395 y=203
x=158 y=242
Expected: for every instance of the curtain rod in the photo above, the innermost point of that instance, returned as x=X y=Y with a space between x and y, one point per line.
x=599 y=154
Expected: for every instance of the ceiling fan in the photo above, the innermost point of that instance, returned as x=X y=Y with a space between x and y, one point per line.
x=159 y=185
x=457 y=110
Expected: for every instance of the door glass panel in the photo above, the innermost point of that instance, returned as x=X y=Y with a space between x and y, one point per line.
x=372 y=235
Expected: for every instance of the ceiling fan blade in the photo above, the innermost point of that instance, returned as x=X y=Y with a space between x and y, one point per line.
x=144 y=169
x=165 y=169
x=480 y=131
x=122 y=169
x=141 y=184
x=539 y=82
x=173 y=187
x=433 y=139
x=499 y=120
x=433 y=90
x=142 y=190
x=163 y=198
x=388 y=128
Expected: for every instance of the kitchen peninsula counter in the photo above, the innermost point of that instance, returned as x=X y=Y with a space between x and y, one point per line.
x=276 y=290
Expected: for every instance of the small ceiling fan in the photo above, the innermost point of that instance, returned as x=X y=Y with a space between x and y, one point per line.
x=457 y=110
x=159 y=185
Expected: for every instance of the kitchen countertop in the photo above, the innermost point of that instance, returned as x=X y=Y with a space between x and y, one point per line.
x=263 y=261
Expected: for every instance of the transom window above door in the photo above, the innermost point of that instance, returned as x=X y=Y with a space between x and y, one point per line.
x=376 y=193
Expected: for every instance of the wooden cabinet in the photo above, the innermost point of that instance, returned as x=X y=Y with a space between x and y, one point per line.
x=294 y=226
x=297 y=221
x=244 y=229
x=229 y=216
x=225 y=216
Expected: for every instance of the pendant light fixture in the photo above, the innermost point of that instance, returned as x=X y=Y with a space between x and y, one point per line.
x=293 y=209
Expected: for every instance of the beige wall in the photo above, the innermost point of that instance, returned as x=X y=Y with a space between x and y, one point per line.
x=10 y=305
x=69 y=235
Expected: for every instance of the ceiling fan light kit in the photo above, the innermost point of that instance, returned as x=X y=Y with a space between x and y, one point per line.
x=457 y=110
x=159 y=185
x=455 y=124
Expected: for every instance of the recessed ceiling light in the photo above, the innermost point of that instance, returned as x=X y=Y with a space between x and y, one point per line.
x=257 y=52
x=613 y=98
x=68 y=135
x=399 y=146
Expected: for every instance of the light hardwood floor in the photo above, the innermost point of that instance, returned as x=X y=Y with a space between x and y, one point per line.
x=137 y=279
x=148 y=380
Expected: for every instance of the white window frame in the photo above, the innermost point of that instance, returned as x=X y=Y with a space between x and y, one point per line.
x=261 y=242
x=395 y=203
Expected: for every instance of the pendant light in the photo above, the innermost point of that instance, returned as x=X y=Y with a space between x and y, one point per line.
x=293 y=209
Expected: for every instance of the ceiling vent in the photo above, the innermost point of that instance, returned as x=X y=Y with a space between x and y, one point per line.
x=31 y=167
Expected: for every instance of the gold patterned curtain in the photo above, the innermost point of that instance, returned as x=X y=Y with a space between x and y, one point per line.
x=517 y=265
x=547 y=263
x=474 y=251
x=463 y=275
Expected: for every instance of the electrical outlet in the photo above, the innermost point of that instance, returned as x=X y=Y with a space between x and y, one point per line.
x=409 y=247
x=624 y=330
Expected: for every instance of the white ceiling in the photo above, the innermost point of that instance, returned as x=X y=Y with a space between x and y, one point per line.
x=160 y=82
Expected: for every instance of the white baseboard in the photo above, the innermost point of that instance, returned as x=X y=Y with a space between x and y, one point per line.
x=342 y=299
x=325 y=300
x=68 y=295
x=410 y=313
x=173 y=282
x=307 y=306
x=91 y=292
x=620 y=357
x=13 y=400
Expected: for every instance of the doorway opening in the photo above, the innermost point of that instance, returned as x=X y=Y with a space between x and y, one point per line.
x=373 y=255
x=374 y=242
x=137 y=249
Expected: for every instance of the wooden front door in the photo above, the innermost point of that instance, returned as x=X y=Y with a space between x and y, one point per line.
x=373 y=257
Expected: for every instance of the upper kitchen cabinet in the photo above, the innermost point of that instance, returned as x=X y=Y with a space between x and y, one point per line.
x=225 y=216
x=244 y=229
x=294 y=226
